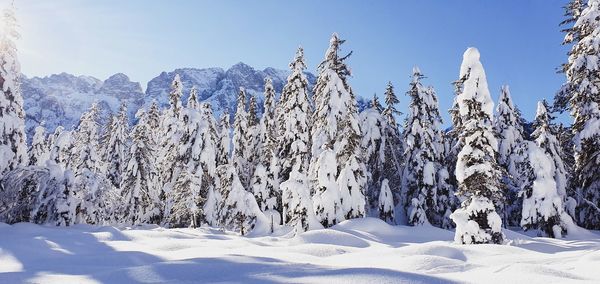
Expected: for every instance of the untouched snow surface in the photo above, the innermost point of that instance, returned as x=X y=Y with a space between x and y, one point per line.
x=357 y=251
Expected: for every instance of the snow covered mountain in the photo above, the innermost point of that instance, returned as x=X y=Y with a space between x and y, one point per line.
x=60 y=99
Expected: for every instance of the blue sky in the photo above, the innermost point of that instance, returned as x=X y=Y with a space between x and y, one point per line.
x=519 y=41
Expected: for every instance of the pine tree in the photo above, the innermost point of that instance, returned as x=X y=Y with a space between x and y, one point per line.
x=373 y=126
x=545 y=138
x=240 y=132
x=293 y=120
x=93 y=193
x=192 y=102
x=13 y=147
x=477 y=171
x=392 y=168
x=508 y=125
x=171 y=132
x=265 y=183
x=61 y=145
x=252 y=139
x=543 y=208
x=583 y=85
x=39 y=152
x=115 y=145
x=140 y=186
x=386 y=203
x=196 y=165
x=223 y=140
x=239 y=210
x=298 y=210
x=335 y=122
x=421 y=155
x=153 y=119
x=327 y=199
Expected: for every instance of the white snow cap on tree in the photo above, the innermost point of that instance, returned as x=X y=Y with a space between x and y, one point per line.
x=543 y=207
x=477 y=172
x=386 y=203
x=39 y=152
x=327 y=199
x=13 y=147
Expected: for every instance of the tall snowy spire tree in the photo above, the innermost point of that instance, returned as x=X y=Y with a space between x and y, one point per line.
x=192 y=102
x=427 y=197
x=545 y=138
x=115 y=146
x=583 y=89
x=13 y=147
x=373 y=142
x=240 y=144
x=335 y=122
x=293 y=120
x=265 y=183
x=140 y=186
x=393 y=143
x=477 y=171
x=508 y=125
x=223 y=139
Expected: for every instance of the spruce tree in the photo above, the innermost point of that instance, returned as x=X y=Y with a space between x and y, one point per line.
x=265 y=182
x=192 y=102
x=335 y=122
x=542 y=208
x=508 y=125
x=39 y=152
x=13 y=147
x=373 y=126
x=583 y=85
x=422 y=155
x=240 y=144
x=327 y=199
x=61 y=145
x=93 y=192
x=393 y=144
x=477 y=171
x=115 y=146
x=223 y=139
x=293 y=120
x=171 y=131
x=252 y=139
x=140 y=186
x=386 y=203
x=545 y=138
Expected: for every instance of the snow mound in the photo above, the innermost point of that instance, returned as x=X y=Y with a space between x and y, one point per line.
x=330 y=237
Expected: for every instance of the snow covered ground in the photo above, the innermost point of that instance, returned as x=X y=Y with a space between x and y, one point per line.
x=357 y=251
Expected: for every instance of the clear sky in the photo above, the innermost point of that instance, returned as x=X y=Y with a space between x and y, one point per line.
x=519 y=41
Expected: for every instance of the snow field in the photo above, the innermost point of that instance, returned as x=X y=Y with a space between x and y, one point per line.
x=356 y=251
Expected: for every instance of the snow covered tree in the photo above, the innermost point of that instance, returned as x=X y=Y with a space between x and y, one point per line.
x=508 y=125
x=13 y=147
x=545 y=139
x=252 y=139
x=477 y=171
x=61 y=144
x=386 y=203
x=140 y=186
x=153 y=119
x=240 y=144
x=192 y=102
x=265 y=183
x=223 y=140
x=373 y=126
x=583 y=89
x=335 y=122
x=392 y=168
x=93 y=192
x=293 y=120
x=39 y=152
x=196 y=168
x=171 y=132
x=423 y=155
x=239 y=210
x=298 y=210
x=115 y=145
x=543 y=208
x=327 y=199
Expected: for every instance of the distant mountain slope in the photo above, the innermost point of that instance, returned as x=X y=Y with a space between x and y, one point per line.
x=61 y=99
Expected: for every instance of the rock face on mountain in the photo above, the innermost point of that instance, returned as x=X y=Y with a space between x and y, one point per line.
x=61 y=99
